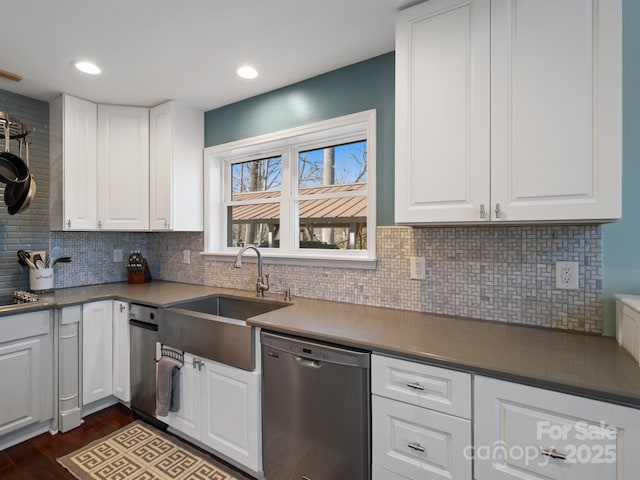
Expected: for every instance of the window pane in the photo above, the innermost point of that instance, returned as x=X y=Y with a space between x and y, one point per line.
x=254 y=225
x=333 y=223
x=335 y=165
x=263 y=176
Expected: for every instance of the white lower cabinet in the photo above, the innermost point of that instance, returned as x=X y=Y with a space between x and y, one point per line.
x=419 y=443
x=523 y=432
x=26 y=370
x=121 y=368
x=97 y=351
x=188 y=418
x=414 y=434
x=220 y=407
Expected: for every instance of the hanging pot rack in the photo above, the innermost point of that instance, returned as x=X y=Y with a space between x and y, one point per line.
x=18 y=130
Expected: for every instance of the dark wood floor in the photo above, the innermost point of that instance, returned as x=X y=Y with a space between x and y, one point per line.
x=35 y=459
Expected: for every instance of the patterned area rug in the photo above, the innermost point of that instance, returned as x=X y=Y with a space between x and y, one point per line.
x=140 y=452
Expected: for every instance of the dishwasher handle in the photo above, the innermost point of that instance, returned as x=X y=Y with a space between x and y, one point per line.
x=145 y=325
x=308 y=362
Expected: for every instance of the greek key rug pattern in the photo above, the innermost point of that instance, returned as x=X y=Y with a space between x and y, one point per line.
x=140 y=452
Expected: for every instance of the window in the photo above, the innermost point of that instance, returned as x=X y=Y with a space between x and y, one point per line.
x=304 y=193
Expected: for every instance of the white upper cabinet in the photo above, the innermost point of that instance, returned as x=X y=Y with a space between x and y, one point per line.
x=509 y=110
x=123 y=168
x=73 y=199
x=176 y=142
x=442 y=111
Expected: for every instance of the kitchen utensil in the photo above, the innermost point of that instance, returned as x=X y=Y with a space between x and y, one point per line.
x=38 y=261
x=61 y=260
x=18 y=196
x=26 y=258
x=12 y=167
x=55 y=253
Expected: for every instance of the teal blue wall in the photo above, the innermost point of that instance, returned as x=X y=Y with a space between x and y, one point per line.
x=361 y=86
x=621 y=241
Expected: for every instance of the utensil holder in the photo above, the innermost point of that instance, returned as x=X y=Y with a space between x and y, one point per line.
x=40 y=279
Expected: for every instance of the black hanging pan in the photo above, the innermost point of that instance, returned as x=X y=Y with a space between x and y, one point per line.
x=18 y=196
x=12 y=167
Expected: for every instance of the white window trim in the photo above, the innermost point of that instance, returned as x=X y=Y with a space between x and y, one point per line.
x=216 y=157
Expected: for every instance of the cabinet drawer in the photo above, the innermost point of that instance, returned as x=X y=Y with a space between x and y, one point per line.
x=526 y=432
x=436 y=388
x=24 y=325
x=418 y=443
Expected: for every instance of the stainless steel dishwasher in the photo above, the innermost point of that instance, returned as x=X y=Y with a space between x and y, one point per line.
x=143 y=329
x=316 y=410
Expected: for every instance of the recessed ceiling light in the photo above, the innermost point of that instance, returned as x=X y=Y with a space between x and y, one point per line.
x=87 y=67
x=247 y=71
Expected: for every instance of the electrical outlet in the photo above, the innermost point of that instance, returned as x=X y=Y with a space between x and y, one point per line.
x=567 y=275
x=117 y=255
x=186 y=256
x=417 y=268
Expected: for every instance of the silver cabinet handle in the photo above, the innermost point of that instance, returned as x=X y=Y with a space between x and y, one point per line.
x=69 y=223
x=121 y=308
x=99 y=224
x=483 y=212
x=498 y=212
x=195 y=363
x=416 y=446
x=415 y=386
x=553 y=453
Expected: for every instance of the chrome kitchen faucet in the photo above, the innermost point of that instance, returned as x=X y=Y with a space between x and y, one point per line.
x=261 y=287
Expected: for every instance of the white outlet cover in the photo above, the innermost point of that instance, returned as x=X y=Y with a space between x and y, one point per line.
x=117 y=255
x=567 y=275
x=417 y=268
x=186 y=256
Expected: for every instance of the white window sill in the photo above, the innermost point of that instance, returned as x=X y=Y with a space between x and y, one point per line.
x=271 y=258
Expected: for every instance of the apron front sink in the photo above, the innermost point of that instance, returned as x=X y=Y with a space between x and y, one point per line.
x=215 y=328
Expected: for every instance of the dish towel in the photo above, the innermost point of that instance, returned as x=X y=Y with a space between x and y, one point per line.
x=167 y=386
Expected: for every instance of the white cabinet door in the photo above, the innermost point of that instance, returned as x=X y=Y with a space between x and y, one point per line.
x=176 y=141
x=20 y=366
x=526 y=432
x=97 y=348
x=188 y=418
x=442 y=143
x=73 y=157
x=121 y=344
x=123 y=168
x=231 y=413
x=508 y=110
x=556 y=113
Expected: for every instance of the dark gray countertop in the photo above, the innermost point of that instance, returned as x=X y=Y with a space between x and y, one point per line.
x=592 y=366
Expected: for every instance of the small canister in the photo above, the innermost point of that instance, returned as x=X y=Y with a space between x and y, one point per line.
x=41 y=279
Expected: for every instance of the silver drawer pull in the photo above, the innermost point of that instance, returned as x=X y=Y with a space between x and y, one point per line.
x=415 y=386
x=416 y=446
x=553 y=453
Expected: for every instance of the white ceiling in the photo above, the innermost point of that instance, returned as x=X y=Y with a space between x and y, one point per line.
x=155 y=50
